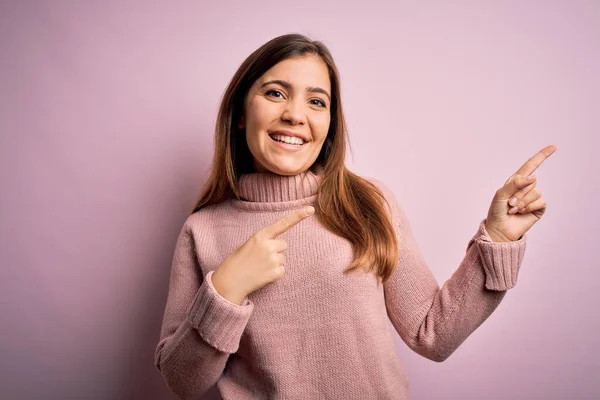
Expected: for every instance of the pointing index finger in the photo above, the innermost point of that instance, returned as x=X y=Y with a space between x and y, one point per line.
x=288 y=222
x=536 y=160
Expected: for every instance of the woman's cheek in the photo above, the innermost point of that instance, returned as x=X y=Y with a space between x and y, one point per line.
x=321 y=121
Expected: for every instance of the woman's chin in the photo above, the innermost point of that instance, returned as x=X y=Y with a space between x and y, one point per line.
x=286 y=169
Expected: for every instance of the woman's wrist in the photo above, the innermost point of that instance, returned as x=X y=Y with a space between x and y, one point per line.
x=231 y=295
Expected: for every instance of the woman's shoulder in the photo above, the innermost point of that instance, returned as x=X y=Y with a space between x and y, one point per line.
x=206 y=214
x=383 y=187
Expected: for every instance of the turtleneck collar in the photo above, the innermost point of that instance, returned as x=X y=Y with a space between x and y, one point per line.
x=267 y=191
x=268 y=187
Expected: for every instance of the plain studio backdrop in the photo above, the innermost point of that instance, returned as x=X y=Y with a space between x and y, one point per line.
x=107 y=113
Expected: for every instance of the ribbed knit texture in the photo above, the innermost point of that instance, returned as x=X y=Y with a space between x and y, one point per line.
x=316 y=333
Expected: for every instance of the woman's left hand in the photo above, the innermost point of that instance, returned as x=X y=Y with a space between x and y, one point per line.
x=509 y=220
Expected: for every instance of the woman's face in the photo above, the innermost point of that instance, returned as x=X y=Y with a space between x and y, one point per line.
x=290 y=100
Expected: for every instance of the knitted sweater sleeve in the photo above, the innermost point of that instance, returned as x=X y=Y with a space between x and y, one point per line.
x=434 y=321
x=200 y=329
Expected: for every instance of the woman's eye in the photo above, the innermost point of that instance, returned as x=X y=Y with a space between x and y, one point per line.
x=273 y=91
x=319 y=102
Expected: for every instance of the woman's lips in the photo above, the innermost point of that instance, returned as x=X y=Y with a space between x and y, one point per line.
x=286 y=146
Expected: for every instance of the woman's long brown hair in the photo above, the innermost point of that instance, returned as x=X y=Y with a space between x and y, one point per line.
x=347 y=204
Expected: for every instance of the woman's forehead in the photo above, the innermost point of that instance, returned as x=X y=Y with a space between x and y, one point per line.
x=299 y=71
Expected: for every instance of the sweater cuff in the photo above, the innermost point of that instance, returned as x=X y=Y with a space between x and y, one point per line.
x=501 y=260
x=219 y=321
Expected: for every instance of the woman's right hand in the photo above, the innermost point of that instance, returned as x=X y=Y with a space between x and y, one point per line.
x=258 y=262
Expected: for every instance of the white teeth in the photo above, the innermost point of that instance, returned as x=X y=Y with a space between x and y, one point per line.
x=288 y=139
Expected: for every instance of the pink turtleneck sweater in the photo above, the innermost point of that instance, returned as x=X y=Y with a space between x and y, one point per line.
x=315 y=333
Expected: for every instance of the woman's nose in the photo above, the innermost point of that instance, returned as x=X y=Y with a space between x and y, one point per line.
x=293 y=113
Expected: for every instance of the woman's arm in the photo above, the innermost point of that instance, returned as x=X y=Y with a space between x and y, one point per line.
x=434 y=321
x=200 y=328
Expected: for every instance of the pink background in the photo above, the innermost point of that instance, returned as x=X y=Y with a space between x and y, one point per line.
x=106 y=118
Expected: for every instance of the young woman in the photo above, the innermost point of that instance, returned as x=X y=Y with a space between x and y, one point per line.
x=290 y=267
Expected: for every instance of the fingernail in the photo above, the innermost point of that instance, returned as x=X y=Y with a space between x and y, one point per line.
x=513 y=201
x=310 y=210
x=513 y=210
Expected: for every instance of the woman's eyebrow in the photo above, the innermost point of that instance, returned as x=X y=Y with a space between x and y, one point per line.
x=288 y=86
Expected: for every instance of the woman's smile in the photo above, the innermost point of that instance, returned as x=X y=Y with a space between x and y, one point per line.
x=292 y=147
